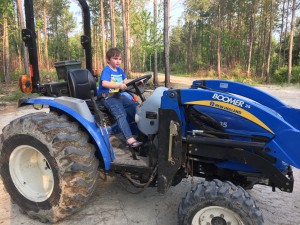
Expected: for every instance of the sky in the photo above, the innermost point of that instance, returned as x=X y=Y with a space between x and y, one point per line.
x=176 y=11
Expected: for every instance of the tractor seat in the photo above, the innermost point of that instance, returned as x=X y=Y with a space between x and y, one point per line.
x=80 y=83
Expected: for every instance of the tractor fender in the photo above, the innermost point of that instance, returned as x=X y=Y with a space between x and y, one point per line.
x=78 y=109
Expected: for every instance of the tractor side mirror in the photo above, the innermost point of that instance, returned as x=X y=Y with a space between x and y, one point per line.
x=27 y=37
x=85 y=40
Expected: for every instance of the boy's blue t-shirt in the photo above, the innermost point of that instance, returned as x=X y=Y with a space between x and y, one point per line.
x=112 y=76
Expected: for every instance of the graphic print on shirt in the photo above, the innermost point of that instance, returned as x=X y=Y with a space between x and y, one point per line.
x=115 y=79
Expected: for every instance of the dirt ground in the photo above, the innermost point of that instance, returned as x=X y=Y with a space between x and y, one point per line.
x=112 y=204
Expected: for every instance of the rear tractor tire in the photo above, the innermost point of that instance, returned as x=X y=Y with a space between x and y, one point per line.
x=218 y=203
x=47 y=165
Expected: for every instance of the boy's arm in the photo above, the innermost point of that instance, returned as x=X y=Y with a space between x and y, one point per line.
x=126 y=81
x=113 y=85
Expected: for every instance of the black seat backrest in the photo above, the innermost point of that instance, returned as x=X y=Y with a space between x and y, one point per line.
x=81 y=82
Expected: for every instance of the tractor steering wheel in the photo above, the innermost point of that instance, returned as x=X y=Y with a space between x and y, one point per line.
x=137 y=86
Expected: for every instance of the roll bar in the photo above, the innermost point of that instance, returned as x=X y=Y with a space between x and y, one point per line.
x=29 y=37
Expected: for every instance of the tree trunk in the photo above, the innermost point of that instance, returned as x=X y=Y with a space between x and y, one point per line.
x=259 y=44
x=166 y=41
x=56 y=50
x=285 y=32
x=281 y=34
x=95 y=47
x=237 y=53
x=113 y=23
x=124 y=35
x=190 y=47
x=45 y=22
x=22 y=25
x=128 y=52
x=67 y=42
x=219 y=42
x=106 y=36
x=291 y=42
x=39 y=50
x=18 y=43
x=263 y=68
x=6 y=55
x=102 y=33
x=96 y=33
x=251 y=40
x=144 y=61
x=68 y=47
x=155 y=73
x=270 y=43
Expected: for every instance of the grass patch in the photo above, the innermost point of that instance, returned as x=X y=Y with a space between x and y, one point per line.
x=181 y=74
x=15 y=96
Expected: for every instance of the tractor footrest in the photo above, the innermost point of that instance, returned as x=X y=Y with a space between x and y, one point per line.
x=124 y=160
x=124 y=156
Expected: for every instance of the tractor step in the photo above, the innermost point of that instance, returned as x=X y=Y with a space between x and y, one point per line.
x=126 y=159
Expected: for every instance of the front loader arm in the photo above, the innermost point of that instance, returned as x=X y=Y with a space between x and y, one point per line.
x=240 y=89
x=259 y=115
x=263 y=156
x=291 y=115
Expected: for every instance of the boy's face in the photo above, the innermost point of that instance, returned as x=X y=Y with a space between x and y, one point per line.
x=115 y=61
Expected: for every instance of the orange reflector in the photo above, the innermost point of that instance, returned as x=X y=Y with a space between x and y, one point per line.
x=96 y=72
x=135 y=98
x=25 y=84
x=31 y=70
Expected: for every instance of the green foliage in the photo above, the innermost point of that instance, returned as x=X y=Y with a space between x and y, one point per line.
x=178 y=68
x=48 y=76
x=235 y=26
x=14 y=96
x=15 y=74
x=6 y=5
x=60 y=25
x=280 y=75
x=76 y=50
x=45 y=75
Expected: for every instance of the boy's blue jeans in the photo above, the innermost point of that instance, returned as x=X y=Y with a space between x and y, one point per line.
x=123 y=109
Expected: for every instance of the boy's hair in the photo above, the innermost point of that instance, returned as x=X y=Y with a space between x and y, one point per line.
x=112 y=52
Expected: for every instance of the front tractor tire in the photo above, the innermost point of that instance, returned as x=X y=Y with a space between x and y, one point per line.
x=218 y=203
x=47 y=165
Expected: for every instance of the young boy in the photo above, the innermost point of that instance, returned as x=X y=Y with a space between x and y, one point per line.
x=112 y=80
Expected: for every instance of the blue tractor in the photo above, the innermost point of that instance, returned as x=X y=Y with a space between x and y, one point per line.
x=231 y=134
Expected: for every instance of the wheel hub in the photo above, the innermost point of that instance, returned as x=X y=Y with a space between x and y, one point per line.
x=31 y=173
x=218 y=221
x=216 y=215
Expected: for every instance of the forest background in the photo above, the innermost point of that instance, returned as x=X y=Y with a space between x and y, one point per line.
x=243 y=40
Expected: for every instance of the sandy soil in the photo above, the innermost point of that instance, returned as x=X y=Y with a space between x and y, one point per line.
x=113 y=205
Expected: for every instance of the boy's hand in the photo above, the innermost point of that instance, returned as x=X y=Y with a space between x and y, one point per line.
x=123 y=87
